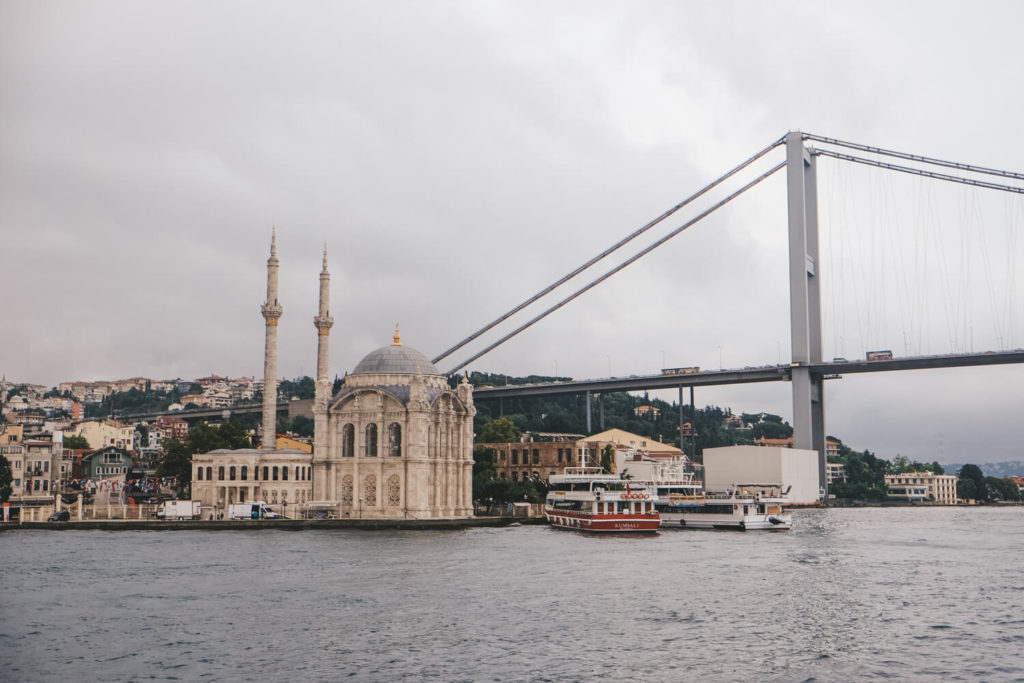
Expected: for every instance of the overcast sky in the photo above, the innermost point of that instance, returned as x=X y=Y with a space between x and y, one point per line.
x=459 y=156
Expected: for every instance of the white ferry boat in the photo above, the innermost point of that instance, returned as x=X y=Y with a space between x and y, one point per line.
x=589 y=499
x=746 y=507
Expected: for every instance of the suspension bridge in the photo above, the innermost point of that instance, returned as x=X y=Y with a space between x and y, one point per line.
x=807 y=370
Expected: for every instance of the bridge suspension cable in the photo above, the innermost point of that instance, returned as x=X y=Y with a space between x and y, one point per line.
x=615 y=247
x=704 y=214
x=921 y=172
x=915 y=157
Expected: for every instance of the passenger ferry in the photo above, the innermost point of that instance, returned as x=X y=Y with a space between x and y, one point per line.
x=590 y=499
x=746 y=507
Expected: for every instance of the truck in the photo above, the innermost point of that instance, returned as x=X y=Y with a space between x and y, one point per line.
x=178 y=509
x=692 y=370
x=256 y=509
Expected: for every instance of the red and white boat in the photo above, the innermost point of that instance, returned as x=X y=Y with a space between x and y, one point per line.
x=589 y=499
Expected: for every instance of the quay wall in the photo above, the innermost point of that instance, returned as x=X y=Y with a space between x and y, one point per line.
x=249 y=525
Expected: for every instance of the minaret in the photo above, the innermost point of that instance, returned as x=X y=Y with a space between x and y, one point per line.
x=271 y=313
x=323 y=323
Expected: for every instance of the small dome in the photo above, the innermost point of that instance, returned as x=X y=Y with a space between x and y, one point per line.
x=395 y=360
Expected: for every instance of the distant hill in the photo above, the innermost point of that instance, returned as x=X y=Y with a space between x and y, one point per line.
x=1011 y=468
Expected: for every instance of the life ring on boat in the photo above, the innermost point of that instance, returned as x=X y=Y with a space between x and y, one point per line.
x=735 y=508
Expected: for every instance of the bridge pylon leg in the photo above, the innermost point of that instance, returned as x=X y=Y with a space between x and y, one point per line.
x=589 y=413
x=805 y=299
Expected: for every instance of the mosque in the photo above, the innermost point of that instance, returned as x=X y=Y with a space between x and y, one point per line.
x=395 y=442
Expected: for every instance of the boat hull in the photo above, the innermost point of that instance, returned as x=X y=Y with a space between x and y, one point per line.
x=697 y=520
x=562 y=519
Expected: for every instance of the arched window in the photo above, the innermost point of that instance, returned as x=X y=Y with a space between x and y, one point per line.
x=245 y=472
x=274 y=472
x=266 y=473
x=220 y=473
x=371 y=440
x=515 y=476
x=199 y=473
x=284 y=473
x=348 y=441
x=394 y=490
x=395 y=440
x=370 y=490
x=346 y=489
x=209 y=473
x=232 y=471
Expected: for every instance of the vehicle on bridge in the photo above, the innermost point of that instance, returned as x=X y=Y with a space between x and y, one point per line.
x=693 y=370
x=590 y=499
x=879 y=355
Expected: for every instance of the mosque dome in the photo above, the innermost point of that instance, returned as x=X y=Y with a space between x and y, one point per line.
x=395 y=359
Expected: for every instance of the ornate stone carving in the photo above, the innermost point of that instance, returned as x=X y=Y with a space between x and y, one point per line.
x=346 y=489
x=394 y=490
x=370 y=491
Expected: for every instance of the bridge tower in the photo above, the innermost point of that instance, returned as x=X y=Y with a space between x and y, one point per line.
x=271 y=313
x=805 y=299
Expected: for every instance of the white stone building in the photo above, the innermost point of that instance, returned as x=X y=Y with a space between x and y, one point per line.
x=395 y=442
x=400 y=441
x=101 y=433
x=939 y=488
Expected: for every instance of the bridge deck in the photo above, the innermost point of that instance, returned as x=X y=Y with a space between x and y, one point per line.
x=768 y=373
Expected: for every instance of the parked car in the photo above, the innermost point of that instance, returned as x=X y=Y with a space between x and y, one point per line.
x=60 y=516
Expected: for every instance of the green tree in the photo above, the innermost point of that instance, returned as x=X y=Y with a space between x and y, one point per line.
x=176 y=461
x=971 y=484
x=6 y=475
x=607 y=457
x=1002 y=489
x=76 y=442
x=300 y=387
x=500 y=430
x=302 y=425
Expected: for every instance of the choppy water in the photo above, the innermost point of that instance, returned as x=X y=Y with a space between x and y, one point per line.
x=847 y=595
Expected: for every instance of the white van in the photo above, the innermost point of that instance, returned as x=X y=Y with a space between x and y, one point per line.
x=256 y=509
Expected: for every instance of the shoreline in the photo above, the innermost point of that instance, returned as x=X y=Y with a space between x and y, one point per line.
x=287 y=524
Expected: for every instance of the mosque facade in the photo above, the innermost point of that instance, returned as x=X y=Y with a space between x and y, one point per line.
x=395 y=442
